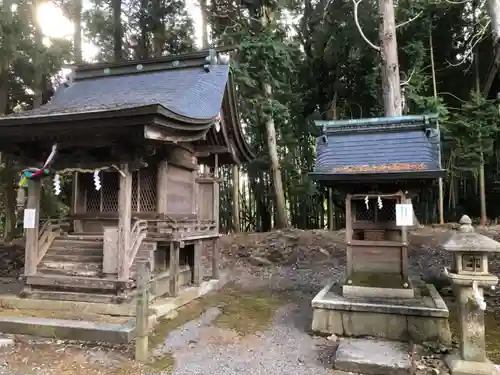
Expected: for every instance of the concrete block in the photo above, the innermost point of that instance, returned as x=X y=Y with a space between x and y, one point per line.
x=422 y=329
x=388 y=326
x=373 y=357
x=327 y=321
x=69 y=329
x=373 y=292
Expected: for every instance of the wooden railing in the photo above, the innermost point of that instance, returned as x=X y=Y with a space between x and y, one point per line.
x=49 y=230
x=138 y=233
x=181 y=229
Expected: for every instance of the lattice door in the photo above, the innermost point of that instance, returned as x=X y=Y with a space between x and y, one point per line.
x=110 y=186
x=147 y=183
x=144 y=190
x=361 y=213
x=93 y=196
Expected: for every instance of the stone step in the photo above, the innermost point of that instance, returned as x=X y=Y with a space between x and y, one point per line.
x=74 y=282
x=69 y=329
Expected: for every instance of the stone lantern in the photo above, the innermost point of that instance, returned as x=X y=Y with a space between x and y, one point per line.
x=468 y=276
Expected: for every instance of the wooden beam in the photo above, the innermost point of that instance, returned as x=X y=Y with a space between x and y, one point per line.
x=124 y=221
x=207 y=150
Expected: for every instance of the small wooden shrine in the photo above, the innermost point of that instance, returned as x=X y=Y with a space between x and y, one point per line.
x=142 y=142
x=378 y=164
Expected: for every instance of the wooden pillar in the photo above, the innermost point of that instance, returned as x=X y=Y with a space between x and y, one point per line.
x=404 y=243
x=75 y=202
x=31 y=247
x=236 y=198
x=215 y=258
x=198 y=248
x=216 y=191
x=161 y=187
x=330 y=209
x=174 y=268
x=348 y=233
x=215 y=241
x=142 y=307
x=124 y=221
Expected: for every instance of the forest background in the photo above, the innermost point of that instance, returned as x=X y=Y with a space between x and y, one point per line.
x=316 y=64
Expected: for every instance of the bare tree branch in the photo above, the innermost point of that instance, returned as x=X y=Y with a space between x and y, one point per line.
x=410 y=20
x=404 y=83
x=474 y=41
x=325 y=11
x=356 y=20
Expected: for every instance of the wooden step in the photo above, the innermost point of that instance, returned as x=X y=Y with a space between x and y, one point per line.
x=71 y=265
x=73 y=296
x=82 y=257
x=80 y=244
x=88 y=251
x=70 y=272
x=86 y=237
x=72 y=282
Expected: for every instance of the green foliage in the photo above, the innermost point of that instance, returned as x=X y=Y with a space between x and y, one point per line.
x=474 y=129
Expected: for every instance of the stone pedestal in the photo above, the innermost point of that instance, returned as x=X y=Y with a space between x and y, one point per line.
x=420 y=319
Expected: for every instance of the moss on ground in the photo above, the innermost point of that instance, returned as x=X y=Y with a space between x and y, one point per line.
x=245 y=312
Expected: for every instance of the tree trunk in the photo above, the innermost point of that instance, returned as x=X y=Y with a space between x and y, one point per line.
x=117 y=30
x=204 y=23
x=494 y=10
x=281 y=216
x=391 y=90
x=77 y=37
x=277 y=183
x=158 y=30
x=37 y=58
x=434 y=89
x=391 y=85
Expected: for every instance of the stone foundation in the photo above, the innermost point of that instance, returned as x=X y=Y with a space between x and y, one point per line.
x=423 y=318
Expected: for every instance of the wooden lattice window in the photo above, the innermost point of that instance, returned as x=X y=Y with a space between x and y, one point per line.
x=374 y=214
x=144 y=191
x=106 y=199
x=361 y=212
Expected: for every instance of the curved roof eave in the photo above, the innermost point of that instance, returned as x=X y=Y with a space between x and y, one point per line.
x=242 y=147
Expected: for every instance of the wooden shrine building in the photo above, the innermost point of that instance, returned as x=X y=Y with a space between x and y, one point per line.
x=377 y=164
x=142 y=142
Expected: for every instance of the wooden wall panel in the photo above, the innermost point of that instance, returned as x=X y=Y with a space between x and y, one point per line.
x=206 y=201
x=180 y=190
x=376 y=259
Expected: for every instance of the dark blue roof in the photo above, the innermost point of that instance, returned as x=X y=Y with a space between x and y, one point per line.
x=371 y=146
x=191 y=93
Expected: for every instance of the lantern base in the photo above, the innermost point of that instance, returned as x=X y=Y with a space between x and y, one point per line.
x=460 y=367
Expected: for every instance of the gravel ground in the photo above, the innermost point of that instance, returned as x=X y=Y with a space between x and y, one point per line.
x=199 y=347
x=292 y=264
